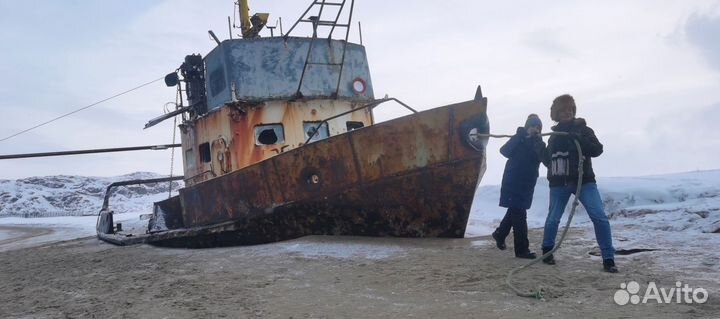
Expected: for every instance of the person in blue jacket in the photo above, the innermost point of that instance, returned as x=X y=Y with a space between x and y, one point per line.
x=524 y=152
x=561 y=159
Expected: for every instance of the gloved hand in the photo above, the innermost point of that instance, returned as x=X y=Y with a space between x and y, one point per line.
x=533 y=131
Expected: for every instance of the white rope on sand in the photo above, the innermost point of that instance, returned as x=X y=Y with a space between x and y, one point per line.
x=539 y=293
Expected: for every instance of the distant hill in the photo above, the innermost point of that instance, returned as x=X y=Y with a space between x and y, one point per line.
x=77 y=195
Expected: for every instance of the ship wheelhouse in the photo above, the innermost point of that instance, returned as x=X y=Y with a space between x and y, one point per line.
x=252 y=99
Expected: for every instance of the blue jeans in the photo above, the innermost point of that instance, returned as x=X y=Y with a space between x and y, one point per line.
x=590 y=198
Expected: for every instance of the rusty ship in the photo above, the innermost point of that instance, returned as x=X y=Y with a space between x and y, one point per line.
x=279 y=141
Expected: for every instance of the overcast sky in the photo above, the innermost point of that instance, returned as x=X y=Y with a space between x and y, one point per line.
x=645 y=74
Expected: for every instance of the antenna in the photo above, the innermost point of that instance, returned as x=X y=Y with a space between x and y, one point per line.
x=229 y=28
x=278 y=22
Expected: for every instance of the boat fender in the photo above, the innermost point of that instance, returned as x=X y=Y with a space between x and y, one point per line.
x=471 y=128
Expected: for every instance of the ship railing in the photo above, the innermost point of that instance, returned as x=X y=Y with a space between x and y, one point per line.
x=369 y=105
x=107 y=228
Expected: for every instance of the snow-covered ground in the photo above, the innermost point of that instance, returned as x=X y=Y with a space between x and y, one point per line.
x=676 y=206
x=40 y=210
x=680 y=203
x=677 y=215
x=53 y=229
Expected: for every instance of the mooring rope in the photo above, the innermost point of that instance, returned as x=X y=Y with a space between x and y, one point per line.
x=539 y=293
x=172 y=158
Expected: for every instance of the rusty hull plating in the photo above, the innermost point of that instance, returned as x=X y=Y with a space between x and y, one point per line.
x=410 y=177
x=229 y=132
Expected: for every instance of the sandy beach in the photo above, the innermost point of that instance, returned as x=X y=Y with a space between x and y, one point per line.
x=336 y=277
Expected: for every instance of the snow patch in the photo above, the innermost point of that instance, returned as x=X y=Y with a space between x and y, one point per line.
x=342 y=251
x=675 y=202
x=59 y=228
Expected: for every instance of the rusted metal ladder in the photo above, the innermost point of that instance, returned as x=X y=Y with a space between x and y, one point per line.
x=317 y=21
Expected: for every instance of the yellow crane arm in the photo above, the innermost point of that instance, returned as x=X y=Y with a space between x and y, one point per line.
x=244 y=16
x=251 y=26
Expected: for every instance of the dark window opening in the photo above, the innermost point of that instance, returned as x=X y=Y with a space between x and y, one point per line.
x=268 y=137
x=269 y=134
x=353 y=125
x=310 y=130
x=205 y=152
x=217 y=81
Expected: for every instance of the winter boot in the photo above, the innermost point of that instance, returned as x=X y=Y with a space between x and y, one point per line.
x=550 y=259
x=609 y=266
x=500 y=243
x=526 y=255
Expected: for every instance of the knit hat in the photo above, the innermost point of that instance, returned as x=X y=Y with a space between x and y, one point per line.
x=533 y=120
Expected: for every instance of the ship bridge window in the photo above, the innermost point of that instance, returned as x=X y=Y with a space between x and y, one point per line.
x=269 y=134
x=217 y=81
x=190 y=157
x=322 y=133
x=204 y=149
x=354 y=125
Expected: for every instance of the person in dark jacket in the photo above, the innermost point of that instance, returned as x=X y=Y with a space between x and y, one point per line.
x=561 y=159
x=524 y=152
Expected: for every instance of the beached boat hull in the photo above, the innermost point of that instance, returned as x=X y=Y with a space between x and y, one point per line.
x=414 y=176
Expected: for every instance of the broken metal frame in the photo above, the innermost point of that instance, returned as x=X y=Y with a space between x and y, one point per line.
x=106 y=200
x=106 y=219
x=369 y=105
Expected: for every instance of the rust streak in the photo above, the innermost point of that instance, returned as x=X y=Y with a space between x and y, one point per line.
x=275 y=171
x=356 y=162
x=451 y=133
x=267 y=182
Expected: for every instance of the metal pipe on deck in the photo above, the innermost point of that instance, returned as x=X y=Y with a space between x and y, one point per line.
x=92 y=151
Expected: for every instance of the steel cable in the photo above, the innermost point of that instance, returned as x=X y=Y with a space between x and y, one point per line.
x=82 y=108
